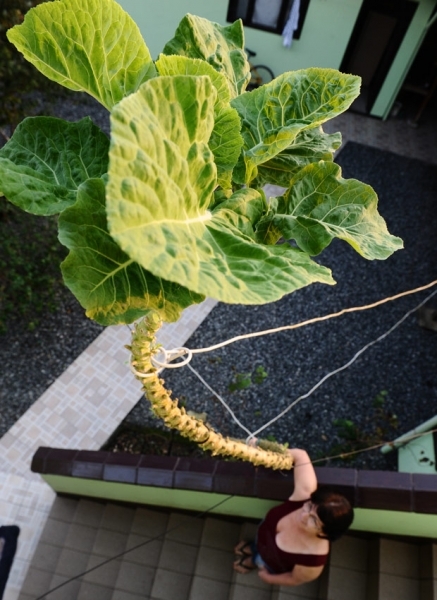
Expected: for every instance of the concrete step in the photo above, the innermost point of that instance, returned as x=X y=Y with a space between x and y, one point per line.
x=393 y=570
x=428 y=571
x=178 y=558
x=345 y=575
x=213 y=572
x=142 y=551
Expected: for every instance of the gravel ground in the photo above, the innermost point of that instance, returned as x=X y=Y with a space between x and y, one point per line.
x=403 y=364
x=32 y=360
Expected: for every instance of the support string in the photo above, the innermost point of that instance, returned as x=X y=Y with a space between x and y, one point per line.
x=321 y=381
x=314 y=320
x=228 y=408
x=342 y=368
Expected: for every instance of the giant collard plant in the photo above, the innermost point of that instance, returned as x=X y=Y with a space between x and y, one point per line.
x=172 y=208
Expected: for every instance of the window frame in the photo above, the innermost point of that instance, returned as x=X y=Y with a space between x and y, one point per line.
x=232 y=15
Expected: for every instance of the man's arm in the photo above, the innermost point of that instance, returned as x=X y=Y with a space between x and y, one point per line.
x=299 y=575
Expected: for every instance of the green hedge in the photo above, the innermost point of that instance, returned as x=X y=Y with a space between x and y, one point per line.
x=16 y=74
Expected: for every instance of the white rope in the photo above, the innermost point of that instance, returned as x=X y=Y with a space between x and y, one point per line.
x=314 y=320
x=342 y=368
x=179 y=352
x=221 y=400
x=170 y=355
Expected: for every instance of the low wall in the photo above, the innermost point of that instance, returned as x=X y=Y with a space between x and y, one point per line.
x=384 y=501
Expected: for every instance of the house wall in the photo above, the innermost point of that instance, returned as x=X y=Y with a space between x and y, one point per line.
x=324 y=38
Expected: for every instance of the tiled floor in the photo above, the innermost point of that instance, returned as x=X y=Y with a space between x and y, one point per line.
x=81 y=410
x=84 y=406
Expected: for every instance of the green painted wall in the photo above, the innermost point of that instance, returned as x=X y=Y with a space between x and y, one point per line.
x=326 y=32
x=378 y=521
x=322 y=42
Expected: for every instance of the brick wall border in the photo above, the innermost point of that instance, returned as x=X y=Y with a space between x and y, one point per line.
x=383 y=490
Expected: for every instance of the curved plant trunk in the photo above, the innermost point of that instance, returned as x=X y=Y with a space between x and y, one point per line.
x=144 y=346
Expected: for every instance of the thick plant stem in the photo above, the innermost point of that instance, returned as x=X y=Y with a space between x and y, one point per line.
x=143 y=347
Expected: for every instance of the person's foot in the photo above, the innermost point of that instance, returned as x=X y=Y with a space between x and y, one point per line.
x=244 y=564
x=243 y=548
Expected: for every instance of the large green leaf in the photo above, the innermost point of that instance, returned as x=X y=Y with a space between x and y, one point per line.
x=110 y=286
x=161 y=183
x=225 y=141
x=221 y=47
x=86 y=45
x=320 y=205
x=182 y=65
x=274 y=114
x=46 y=160
x=311 y=145
x=242 y=210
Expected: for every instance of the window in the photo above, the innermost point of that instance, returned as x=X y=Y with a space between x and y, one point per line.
x=269 y=15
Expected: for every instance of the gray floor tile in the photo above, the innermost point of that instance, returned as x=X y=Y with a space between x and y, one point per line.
x=203 y=588
x=169 y=585
x=307 y=591
x=69 y=591
x=215 y=564
x=149 y=523
x=221 y=534
x=71 y=562
x=178 y=557
x=37 y=582
x=250 y=580
x=122 y=595
x=91 y=591
x=81 y=537
x=147 y=554
x=55 y=531
x=89 y=512
x=63 y=509
x=244 y=592
x=109 y=543
x=184 y=528
x=117 y=518
x=106 y=574
x=46 y=557
x=135 y=578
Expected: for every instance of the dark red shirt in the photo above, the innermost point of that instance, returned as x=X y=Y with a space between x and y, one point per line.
x=278 y=560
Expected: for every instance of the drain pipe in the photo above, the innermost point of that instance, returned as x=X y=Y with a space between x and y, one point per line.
x=403 y=439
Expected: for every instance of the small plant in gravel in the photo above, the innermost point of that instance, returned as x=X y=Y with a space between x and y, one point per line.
x=243 y=381
x=382 y=425
x=172 y=208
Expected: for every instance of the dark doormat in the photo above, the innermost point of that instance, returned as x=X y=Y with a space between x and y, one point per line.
x=8 y=545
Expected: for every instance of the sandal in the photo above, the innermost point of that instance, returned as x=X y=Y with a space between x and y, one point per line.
x=240 y=567
x=240 y=548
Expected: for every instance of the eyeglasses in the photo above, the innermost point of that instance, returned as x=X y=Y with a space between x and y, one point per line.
x=311 y=509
